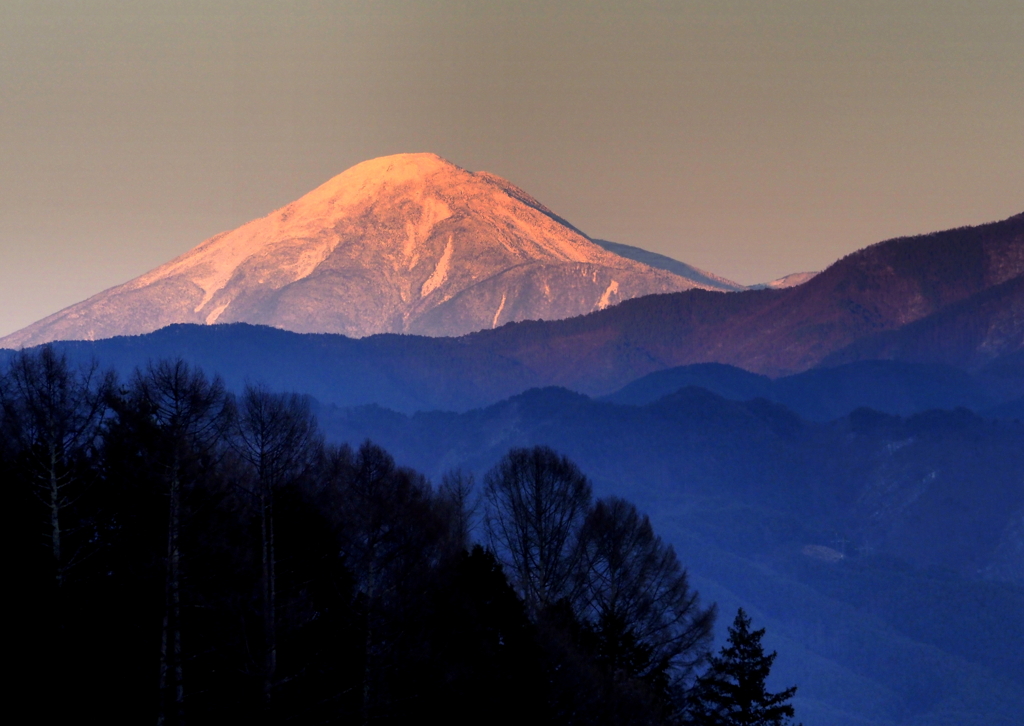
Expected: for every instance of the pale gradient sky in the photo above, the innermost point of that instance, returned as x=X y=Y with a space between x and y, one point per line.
x=751 y=139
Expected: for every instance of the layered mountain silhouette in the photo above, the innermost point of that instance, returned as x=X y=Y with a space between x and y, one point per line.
x=954 y=298
x=403 y=244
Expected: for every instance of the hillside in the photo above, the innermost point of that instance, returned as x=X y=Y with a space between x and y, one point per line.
x=881 y=552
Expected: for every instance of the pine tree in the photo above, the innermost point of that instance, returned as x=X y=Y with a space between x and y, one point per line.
x=731 y=692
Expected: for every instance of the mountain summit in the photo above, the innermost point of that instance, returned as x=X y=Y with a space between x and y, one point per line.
x=408 y=243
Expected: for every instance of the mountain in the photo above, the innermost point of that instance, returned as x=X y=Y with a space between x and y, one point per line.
x=410 y=373
x=690 y=272
x=882 y=552
x=881 y=288
x=922 y=488
x=954 y=294
x=404 y=244
x=729 y=382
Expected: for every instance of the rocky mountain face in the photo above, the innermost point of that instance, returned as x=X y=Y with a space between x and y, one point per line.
x=402 y=244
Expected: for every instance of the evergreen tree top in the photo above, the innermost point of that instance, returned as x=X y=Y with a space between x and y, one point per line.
x=732 y=692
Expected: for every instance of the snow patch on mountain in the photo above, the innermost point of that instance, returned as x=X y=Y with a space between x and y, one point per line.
x=606 y=296
x=497 y=313
x=440 y=272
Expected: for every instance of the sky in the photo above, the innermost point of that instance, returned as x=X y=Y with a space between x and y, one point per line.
x=751 y=139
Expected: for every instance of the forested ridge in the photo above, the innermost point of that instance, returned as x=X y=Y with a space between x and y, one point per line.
x=183 y=553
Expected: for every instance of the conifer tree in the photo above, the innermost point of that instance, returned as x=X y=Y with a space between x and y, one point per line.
x=732 y=692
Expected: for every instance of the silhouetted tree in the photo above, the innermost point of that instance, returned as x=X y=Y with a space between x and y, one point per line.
x=318 y=626
x=635 y=590
x=535 y=504
x=393 y=535
x=192 y=413
x=52 y=415
x=648 y=621
x=51 y=418
x=731 y=692
x=276 y=436
x=455 y=492
x=481 y=649
x=289 y=581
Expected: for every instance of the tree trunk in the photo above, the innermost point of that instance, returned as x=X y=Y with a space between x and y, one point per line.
x=171 y=680
x=269 y=594
x=55 y=519
x=371 y=591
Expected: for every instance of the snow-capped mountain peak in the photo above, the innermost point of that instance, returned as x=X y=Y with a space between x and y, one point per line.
x=409 y=243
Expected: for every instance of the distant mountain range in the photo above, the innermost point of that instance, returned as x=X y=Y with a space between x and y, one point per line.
x=953 y=298
x=402 y=244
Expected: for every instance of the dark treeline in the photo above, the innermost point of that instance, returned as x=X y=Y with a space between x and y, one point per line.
x=185 y=554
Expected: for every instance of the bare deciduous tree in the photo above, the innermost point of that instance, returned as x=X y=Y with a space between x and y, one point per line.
x=393 y=533
x=455 y=492
x=52 y=415
x=535 y=504
x=192 y=413
x=637 y=595
x=276 y=435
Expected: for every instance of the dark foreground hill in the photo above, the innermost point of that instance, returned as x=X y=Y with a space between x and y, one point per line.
x=883 y=553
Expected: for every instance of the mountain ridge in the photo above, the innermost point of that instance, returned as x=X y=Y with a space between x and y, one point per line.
x=670 y=264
